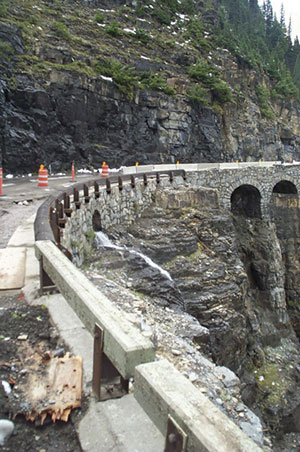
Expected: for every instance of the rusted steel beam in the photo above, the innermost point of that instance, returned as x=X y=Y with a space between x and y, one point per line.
x=132 y=181
x=61 y=217
x=108 y=186
x=67 y=205
x=105 y=386
x=175 y=437
x=157 y=178
x=96 y=190
x=145 y=179
x=120 y=182
x=86 y=193
x=46 y=283
x=76 y=198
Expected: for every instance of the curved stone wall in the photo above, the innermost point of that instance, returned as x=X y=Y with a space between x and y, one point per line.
x=119 y=206
x=126 y=204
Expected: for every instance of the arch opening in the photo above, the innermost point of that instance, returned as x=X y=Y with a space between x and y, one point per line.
x=96 y=221
x=285 y=187
x=245 y=201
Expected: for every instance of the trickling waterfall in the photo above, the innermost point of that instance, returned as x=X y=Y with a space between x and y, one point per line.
x=103 y=240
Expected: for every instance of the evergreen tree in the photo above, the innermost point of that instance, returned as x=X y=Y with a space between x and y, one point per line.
x=257 y=38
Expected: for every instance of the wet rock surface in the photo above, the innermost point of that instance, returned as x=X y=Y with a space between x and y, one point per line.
x=223 y=309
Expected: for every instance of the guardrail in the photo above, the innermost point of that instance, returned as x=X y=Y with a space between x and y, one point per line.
x=187 y=418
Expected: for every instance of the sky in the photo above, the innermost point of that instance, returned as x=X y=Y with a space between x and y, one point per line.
x=292 y=9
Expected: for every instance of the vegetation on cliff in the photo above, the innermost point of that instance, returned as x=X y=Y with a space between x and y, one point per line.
x=147 y=45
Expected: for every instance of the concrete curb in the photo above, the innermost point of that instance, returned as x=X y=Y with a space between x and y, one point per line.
x=118 y=425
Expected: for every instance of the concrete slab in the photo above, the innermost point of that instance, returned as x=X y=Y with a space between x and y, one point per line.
x=119 y=425
x=24 y=235
x=12 y=268
x=72 y=331
x=162 y=390
x=32 y=270
x=124 y=344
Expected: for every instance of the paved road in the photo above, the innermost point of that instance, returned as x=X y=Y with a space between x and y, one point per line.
x=22 y=197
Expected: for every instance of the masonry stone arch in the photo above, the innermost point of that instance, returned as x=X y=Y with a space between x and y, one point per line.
x=96 y=221
x=249 y=180
x=246 y=200
x=285 y=187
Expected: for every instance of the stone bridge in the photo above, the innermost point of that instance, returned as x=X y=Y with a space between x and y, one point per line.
x=252 y=181
x=250 y=188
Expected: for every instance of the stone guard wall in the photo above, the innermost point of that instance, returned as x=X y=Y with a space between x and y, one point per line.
x=127 y=204
x=114 y=208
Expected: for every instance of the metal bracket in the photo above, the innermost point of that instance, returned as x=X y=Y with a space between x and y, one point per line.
x=108 y=383
x=176 y=438
x=46 y=283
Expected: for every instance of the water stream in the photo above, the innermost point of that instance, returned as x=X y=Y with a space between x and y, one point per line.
x=104 y=241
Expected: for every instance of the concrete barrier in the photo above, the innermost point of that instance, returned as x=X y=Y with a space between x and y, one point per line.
x=124 y=345
x=196 y=166
x=162 y=391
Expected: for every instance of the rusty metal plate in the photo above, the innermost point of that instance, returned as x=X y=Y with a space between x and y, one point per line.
x=176 y=438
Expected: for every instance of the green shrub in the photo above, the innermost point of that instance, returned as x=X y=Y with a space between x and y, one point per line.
x=221 y=92
x=99 y=18
x=264 y=96
x=61 y=30
x=170 y=5
x=162 y=16
x=140 y=10
x=208 y=75
x=286 y=88
x=142 y=36
x=203 y=72
x=6 y=50
x=58 y=5
x=198 y=94
x=113 y=29
x=13 y=83
x=3 y=10
x=187 y=7
x=156 y=82
x=195 y=32
x=123 y=76
x=33 y=20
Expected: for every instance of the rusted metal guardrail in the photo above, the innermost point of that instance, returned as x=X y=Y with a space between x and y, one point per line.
x=53 y=213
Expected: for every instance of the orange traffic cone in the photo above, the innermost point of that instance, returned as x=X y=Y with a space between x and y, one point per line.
x=73 y=172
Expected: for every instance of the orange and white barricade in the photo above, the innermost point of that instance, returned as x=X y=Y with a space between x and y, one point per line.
x=43 y=177
x=104 y=172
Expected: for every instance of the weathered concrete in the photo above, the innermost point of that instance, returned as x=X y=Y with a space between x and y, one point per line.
x=161 y=390
x=119 y=425
x=124 y=345
x=12 y=264
x=73 y=332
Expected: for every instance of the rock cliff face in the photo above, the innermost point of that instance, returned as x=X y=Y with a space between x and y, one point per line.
x=74 y=118
x=88 y=121
x=227 y=271
x=55 y=108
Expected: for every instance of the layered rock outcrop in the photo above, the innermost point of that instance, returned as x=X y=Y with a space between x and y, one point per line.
x=227 y=272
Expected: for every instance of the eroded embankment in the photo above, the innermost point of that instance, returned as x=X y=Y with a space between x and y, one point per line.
x=228 y=274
